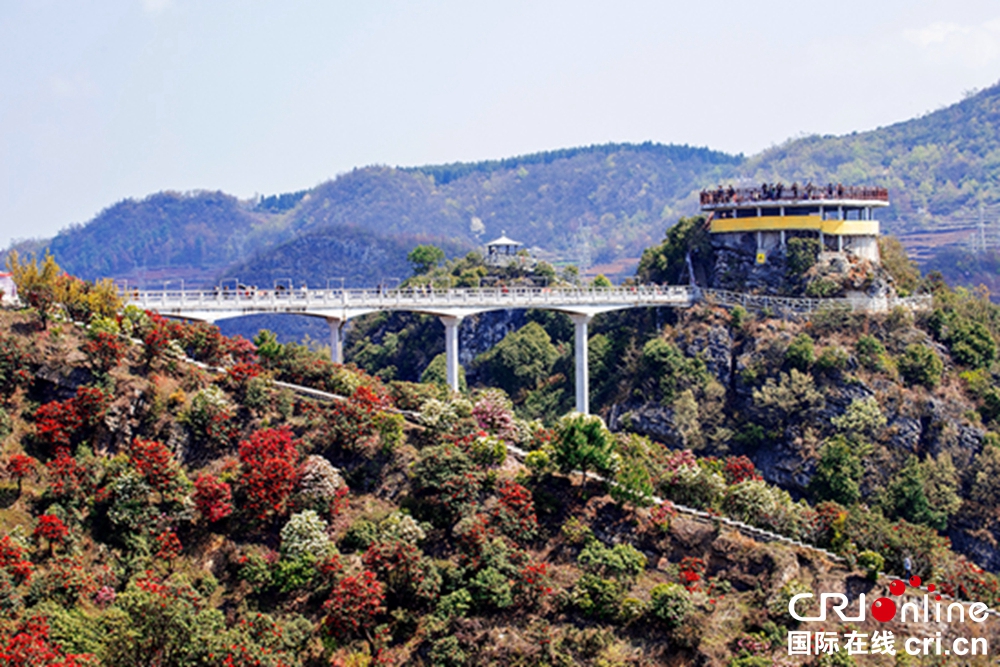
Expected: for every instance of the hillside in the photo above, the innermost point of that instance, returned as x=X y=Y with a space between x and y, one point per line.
x=166 y=236
x=159 y=512
x=935 y=165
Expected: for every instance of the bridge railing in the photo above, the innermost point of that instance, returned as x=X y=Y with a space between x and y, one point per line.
x=804 y=306
x=501 y=297
x=303 y=298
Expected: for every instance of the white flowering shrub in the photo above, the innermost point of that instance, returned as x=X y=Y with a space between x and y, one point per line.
x=305 y=536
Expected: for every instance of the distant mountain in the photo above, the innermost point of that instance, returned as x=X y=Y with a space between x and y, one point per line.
x=598 y=203
x=935 y=166
x=166 y=235
x=361 y=257
x=590 y=205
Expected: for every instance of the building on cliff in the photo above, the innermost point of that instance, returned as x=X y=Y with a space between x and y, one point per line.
x=840 y=217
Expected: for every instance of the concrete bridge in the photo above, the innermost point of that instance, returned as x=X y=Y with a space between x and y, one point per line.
x=337 y=306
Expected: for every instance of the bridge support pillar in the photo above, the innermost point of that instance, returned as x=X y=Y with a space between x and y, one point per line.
x=580 y=322
x=451 y=323
x=336 y=339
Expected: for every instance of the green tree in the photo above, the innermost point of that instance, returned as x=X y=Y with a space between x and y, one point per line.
x=437 y=373
x=159 y=623
x=583 y=443
x=802 y=254
x=905 y=496
x=667 y=262
x=425 y=258
x=904 y=271
x=801 y=352
x=838 y=472
x=921 y=365
x=521 y=360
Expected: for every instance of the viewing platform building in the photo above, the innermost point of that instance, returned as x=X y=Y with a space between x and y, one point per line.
x=840 y=217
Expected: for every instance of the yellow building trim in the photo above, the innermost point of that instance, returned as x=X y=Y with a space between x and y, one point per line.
x=769 y=223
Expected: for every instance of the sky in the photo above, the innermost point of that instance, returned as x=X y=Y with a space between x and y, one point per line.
x=102 y=100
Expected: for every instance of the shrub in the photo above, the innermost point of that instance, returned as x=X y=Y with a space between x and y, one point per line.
x=30 y=645
x=354 y=605
x=213 y=498
x=672 y=369
x=20 y=466
x=693 y=484
x=158 y=467
x=582 y=443
x=622 y=561
x=52 y=529
x=800 y=352
x=872 y=562
x=104 y=351
x=832 y=360
x=595 y=596
x=55 y=423
x=862 y=418
x=671 y=604
x=871 y=353
x=269 y=471
x=794 y=396
x=801 y=254
x=359 y=535
x=209 y=417
x=838 y=473
x=514 y=514
x=919 y=364
x=319 y=484
x=304 y=536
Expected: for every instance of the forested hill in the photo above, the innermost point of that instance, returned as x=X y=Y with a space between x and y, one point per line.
x=615 y=198
x=934 y=165
x=589 y=205
x=167 y=234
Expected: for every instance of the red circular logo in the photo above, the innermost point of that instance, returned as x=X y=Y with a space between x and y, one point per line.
x=883 y=610
x=897 y=587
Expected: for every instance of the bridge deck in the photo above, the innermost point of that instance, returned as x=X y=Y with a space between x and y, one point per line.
x=338 y=306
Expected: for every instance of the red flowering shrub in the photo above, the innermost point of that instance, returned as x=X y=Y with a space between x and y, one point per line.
x=534 y=582
x=66 y=477
x=691 y=572
x=30 y=646
x=213 y=498
x=156 y=341
x=738 y=469
x=51 y=528
x=514 y=514
x=67 y=580
x=269 y=471
x=967 y=581
x=241 y=373
x=104 y=351
x=90 y=404
x=13 y=560
x=56 y=422
x=351 y=424
x=20 y=466
x=354 y=605
x=661 y=516
x=406 y=573
x=168 y=545
x=157 y=465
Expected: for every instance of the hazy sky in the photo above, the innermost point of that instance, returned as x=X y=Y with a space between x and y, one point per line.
x=107 y=99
